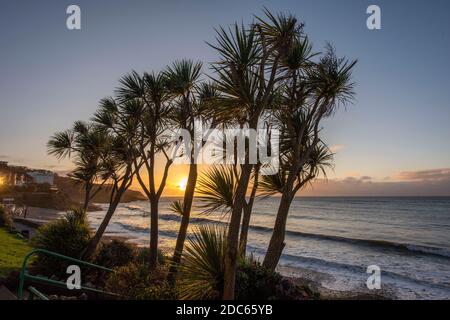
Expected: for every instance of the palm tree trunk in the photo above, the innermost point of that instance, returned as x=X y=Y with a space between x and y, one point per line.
x=247 y=214
x=187 y=206
x=233 y=233
x=276 y=244
x=244 y=229
x=93 y=243
x=87 y=195
x=153 y=232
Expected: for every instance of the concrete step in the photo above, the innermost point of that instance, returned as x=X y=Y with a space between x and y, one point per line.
x=5 y=294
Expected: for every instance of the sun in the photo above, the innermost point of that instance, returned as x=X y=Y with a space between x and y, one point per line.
x=182 y=184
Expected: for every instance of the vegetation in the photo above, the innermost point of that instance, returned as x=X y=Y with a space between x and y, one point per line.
x=201 y=275
x=114 y=253
x=138 y=282
x=13 y=251
x=68 y=236
x=202 y=270
x=269 y=69
x=266 y=76
x=5 y=218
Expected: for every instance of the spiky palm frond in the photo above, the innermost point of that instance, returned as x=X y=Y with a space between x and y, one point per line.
x=131 y=86
x=236 y=72
x=61 y=144
x=330 y=80
x=278 y=31
x=202 y=270
x=155 y=89
x=321 y=159
x=182 y=76
x=237 y=47
x=177 y=207
x=298 y=56
x=107 y=113
x=216 y=189
x=272 y=184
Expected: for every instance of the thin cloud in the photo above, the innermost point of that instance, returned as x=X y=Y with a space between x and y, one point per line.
x=425 y=175
x=433 y=182
x=337 y=147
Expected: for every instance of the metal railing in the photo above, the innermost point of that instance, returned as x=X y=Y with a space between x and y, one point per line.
x=24 y=275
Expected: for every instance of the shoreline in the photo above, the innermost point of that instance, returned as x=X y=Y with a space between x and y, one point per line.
x=301 y=276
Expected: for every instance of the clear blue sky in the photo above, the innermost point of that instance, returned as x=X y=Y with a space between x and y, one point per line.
x=50 y=76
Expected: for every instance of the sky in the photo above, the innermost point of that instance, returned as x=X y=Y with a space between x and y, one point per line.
x=393 y=140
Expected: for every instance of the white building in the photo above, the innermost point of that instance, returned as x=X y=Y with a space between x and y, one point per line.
x=41 y=177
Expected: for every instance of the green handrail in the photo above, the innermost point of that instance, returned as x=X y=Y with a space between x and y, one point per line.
x=25 y=275
x=35 y=292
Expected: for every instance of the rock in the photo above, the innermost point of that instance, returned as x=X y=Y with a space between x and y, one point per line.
x=83 y=296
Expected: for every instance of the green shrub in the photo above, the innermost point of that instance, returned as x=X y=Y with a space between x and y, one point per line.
x=200 y=276
x=114 y=254
x=67 y=236
x=136 y=281
x=6 y=219
x=201 y=272
x=254 y=282
x=143 y=256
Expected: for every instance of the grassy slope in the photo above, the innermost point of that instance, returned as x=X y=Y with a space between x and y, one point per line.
x=12 y=251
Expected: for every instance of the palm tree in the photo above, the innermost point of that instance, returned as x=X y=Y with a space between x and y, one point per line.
x=119 y=123
x=148 y=98
x=247 y=77
x=313 y=91
x=83 y=143
x=181 y=79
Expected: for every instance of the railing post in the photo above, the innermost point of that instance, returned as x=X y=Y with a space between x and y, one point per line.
x=23 y=272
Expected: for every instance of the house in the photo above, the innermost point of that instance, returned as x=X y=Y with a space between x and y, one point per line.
x=23 y=176
x=41 y=177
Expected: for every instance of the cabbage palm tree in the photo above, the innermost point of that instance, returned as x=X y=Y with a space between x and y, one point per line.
x=313 y=91
x=148 y=98
x=190 y=104
x=84 y=144
x=247 y=77
x=119 y=122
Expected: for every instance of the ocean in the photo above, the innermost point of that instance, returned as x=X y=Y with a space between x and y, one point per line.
x=336 y=238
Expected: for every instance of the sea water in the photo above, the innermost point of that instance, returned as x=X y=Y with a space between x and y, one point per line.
x=337 y=238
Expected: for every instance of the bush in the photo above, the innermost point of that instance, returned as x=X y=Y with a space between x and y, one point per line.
x=6 y=220
x=254 y=282
x=201 y=272
x=136 y=281
x=114 y=254
x=67 y=236
x=143 y=256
